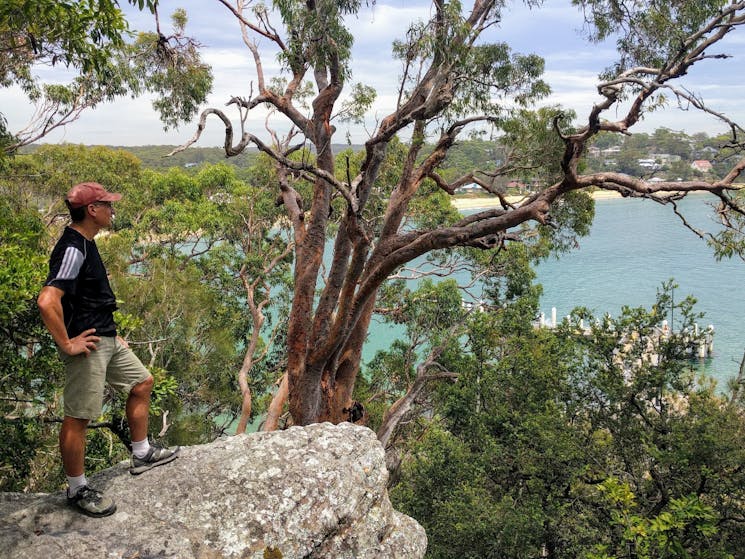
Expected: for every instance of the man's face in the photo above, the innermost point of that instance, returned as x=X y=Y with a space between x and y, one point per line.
x=102 y=213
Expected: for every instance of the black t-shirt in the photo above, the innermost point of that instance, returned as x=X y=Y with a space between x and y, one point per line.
x=76 y=268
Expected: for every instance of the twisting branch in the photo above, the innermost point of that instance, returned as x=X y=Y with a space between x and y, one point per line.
x=268 y=32
x=438 y=154
x=317 y=172
x=686 y=96
x=676 y=67
x=247 y=138
x=450 y=187
x=251 y=355
x=628 y=185
x=229 y=148
x=398 y=410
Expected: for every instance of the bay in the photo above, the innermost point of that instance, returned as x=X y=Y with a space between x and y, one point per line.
x=633 y=247
x=636 y=245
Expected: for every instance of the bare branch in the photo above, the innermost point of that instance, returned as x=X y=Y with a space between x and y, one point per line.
x=398 y=410
x=267 y=32
x=50 y=115
x=164 y=424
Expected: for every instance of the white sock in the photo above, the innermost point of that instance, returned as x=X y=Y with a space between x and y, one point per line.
x=75 y=483
x=140 y=448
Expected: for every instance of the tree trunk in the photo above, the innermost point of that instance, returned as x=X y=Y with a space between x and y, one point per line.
x=275 y=407
x=325 y=334
x=245 y=412
x=249 y=357
x=393 y=415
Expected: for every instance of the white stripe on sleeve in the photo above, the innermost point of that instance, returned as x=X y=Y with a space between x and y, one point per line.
x=71 y=263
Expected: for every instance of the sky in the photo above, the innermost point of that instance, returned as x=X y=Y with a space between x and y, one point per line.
x=553 y=32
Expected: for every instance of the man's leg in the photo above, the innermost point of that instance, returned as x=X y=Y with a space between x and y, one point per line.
x=138 y=408
x=144 y=455
x=83 y=398
x=72 y=445
x=72 y=448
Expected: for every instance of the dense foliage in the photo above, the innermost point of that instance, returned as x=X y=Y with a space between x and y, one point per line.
x=29 y=372
x=595 y=443
x=179 y=245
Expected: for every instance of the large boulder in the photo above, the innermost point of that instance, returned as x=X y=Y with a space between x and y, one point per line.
x=312 y=492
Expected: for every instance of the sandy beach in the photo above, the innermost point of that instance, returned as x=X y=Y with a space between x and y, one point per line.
x=491 y=202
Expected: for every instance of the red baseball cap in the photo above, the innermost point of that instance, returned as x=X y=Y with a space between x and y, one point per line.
x=88 y=193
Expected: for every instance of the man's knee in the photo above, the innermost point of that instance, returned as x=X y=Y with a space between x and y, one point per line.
x=74 y=423
x=73 y=428
x=143 y=388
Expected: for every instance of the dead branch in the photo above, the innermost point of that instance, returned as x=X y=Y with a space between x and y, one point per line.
x=267 y=32
x=398 y=410
x=164 y=424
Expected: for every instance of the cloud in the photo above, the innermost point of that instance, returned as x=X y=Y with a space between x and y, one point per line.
x=552 y=31
x=377 y=27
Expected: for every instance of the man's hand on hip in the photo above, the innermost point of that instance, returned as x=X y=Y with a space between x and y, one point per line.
x=83 y=343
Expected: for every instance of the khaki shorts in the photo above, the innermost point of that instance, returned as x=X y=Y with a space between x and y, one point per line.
x=110 y=363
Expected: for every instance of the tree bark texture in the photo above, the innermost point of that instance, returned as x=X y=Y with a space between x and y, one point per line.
x=327 y=329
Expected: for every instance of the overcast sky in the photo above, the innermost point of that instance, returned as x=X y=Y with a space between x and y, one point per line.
x=554 y=32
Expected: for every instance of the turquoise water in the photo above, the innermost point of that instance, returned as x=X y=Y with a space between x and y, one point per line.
x=635 y=246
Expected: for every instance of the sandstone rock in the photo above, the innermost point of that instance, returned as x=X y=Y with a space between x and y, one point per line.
x=312 y=492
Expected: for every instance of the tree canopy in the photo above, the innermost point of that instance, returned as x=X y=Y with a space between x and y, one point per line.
x=572 y=442
x=451 y=80
x=92 y=40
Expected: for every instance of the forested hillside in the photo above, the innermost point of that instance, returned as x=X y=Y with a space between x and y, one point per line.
x=498 y=435
x=663 y=152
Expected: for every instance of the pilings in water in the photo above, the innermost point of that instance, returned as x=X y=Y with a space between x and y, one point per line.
x=700 y=343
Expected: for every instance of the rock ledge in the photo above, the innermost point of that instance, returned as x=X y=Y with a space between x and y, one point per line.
x=310 y=492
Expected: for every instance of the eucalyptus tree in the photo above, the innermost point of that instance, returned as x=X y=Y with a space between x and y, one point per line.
x=451 y=79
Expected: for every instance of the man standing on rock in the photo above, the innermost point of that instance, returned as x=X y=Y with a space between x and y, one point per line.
x=77 y=306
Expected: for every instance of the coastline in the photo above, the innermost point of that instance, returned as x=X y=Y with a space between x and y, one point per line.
x=493 y=202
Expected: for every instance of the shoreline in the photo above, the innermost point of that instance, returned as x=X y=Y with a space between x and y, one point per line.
x=493 y=202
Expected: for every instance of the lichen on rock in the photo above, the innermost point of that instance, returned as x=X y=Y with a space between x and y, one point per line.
x=314 y=492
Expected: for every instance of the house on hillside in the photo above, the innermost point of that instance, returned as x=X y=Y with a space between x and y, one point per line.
x=665 y=158
x=701 y=165
x=648 y=164
x=468 y=188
